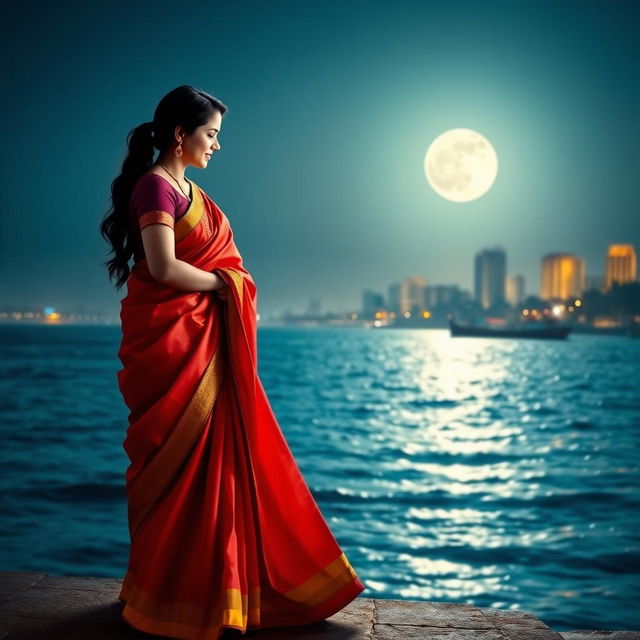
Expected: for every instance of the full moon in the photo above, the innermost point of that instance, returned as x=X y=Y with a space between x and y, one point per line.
x=460 y=165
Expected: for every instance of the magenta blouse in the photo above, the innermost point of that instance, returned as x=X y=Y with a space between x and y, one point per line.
x=153 y=193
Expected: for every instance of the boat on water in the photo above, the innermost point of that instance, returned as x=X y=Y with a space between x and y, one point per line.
x=526 y=330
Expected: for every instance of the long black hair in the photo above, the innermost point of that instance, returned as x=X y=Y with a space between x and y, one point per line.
x=185 y=106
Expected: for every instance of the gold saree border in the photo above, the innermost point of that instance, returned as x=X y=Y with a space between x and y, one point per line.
x=192 y=216
x=162 y=617
x=152 y=482
x=156 y=216
x=237 y=281
x=324 y=584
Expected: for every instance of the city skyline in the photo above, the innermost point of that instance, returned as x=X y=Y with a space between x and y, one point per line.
x=622 y=266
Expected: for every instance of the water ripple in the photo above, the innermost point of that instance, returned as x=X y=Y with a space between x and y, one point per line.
x=500 y=473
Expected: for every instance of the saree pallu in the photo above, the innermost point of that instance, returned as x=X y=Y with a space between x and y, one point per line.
x=224 y=529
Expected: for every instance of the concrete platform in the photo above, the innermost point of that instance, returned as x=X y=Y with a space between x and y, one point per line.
x=46 y=607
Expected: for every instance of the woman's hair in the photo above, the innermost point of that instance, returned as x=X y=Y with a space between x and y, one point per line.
x=185 y=106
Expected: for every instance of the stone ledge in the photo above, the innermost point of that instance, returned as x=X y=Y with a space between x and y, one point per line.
x=42 y=606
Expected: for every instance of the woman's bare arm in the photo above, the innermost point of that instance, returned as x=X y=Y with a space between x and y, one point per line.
x=159 y=248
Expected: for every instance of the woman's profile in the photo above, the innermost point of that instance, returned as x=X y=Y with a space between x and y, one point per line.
x=224 y=530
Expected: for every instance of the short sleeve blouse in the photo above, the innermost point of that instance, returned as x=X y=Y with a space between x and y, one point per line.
x=154 y=200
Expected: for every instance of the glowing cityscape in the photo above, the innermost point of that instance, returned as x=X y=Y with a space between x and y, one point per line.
x=608 y=301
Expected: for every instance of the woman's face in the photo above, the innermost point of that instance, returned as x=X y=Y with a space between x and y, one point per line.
x=198 y=147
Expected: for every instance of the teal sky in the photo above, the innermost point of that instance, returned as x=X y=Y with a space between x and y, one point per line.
x=332 y=106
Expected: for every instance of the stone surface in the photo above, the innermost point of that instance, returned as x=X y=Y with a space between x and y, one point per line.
x=600 y=635
x=38 y=606
x=11 y=582
x=451 y=621
x=430 y=614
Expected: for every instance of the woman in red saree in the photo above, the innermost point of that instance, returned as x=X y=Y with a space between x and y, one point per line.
x=225 y=532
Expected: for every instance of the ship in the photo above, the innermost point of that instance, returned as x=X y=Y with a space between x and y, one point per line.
x=525 y=330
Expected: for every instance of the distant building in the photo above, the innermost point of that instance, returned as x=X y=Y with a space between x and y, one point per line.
x=562 y=276
x=314 y=307
x=444 y=300
x=407 y=296
x=514 y=290
x=441 y=295
x=594 y=283
x=371 y=302
x=622 y=265
x=412 y=295
x=490 y=268
x=393 y=298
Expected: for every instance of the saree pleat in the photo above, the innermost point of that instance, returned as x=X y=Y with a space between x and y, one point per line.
x=224 y=529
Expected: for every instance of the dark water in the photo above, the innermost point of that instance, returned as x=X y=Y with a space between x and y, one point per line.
x=500 y=473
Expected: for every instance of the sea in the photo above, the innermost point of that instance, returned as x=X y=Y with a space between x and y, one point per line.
x=495 y=472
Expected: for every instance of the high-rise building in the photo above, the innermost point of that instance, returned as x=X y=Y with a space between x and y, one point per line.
x=562 y=276
x=393 y=297
x=410 y=295
x=622 y=265
x=371 y=302
x=441 y=295
x=515 y=290
x=490 y=269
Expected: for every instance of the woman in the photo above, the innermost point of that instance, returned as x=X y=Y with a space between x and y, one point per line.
x=224 y=530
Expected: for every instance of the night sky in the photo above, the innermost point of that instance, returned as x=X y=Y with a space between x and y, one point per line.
x=332 y=106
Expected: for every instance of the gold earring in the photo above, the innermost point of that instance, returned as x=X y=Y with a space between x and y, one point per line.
x=179 y=149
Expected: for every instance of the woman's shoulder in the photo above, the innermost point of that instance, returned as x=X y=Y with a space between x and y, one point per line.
x=153 y=183
x=152 y=191
x=152 y=178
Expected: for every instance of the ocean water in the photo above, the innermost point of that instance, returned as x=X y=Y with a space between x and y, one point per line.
x=500 y=473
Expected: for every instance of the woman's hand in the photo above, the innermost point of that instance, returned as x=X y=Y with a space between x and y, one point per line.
x=223 y=292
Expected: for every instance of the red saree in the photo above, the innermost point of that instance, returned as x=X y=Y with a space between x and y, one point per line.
x=224 y=529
